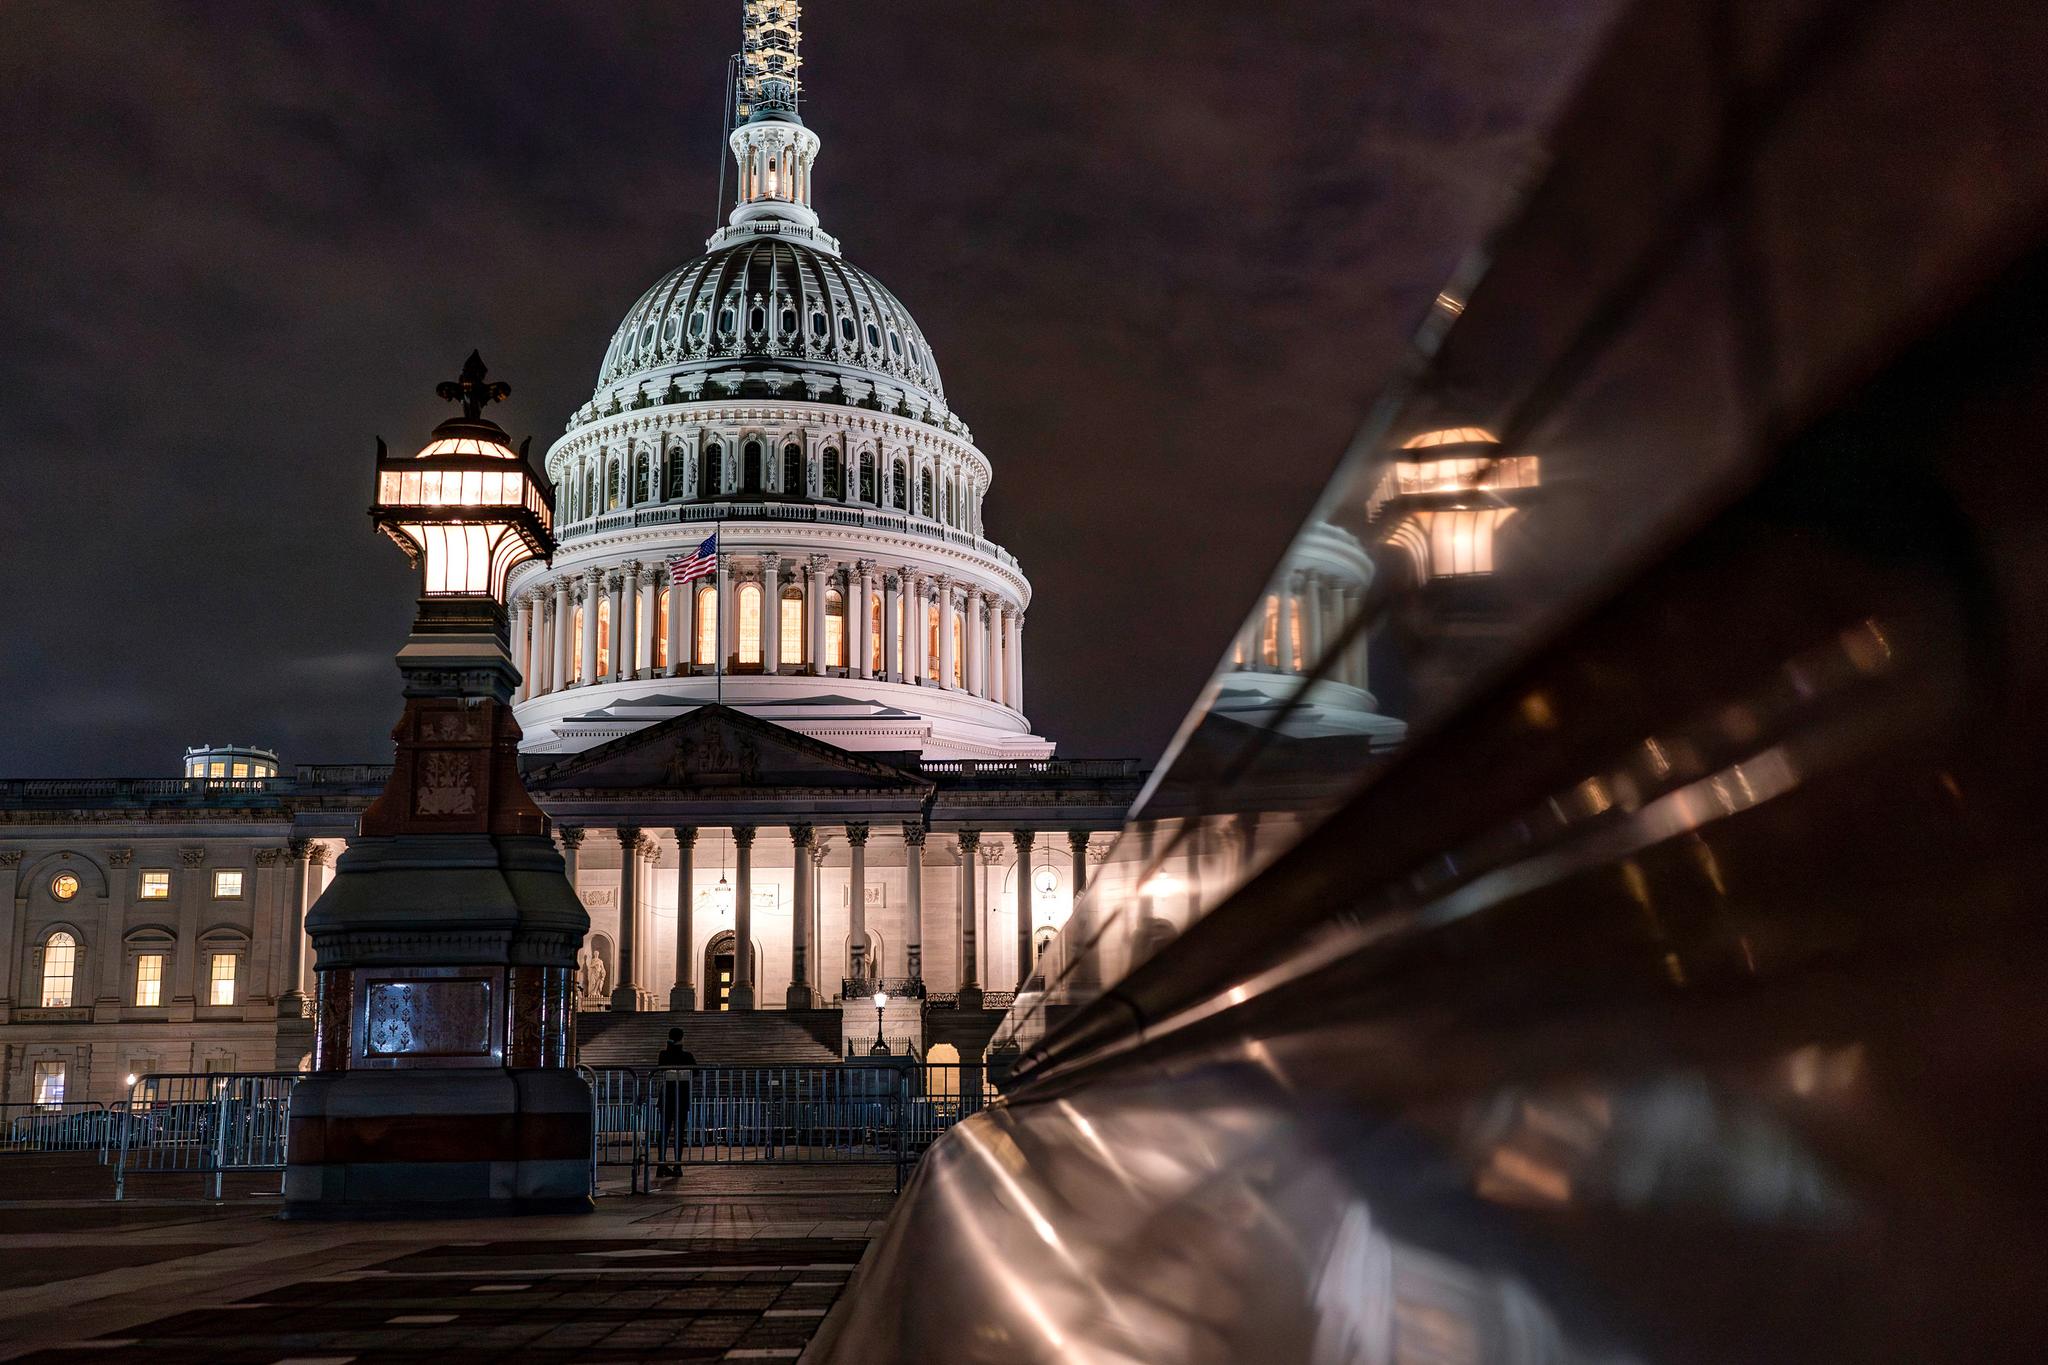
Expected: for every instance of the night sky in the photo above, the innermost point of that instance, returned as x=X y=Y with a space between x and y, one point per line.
x=1165 y=252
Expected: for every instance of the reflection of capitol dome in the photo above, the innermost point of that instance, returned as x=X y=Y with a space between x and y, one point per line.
x=771 y=393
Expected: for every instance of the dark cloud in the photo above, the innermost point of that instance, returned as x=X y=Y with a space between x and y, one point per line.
x=1165 y=253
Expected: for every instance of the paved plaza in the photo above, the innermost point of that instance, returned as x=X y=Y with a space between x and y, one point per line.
x=725 y=1264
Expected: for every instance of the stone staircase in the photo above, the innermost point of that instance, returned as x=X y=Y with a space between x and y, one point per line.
x=750 y=1038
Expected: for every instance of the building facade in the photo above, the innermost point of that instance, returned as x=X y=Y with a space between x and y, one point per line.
x=804 y=776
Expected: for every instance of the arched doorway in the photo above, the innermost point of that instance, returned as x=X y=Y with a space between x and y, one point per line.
x=719 y=964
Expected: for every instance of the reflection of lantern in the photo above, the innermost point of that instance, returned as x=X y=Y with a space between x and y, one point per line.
x=467 y=507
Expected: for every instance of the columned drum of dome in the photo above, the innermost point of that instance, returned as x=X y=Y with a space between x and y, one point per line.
x=774 y=393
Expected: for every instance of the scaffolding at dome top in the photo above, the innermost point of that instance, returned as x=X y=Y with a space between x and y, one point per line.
x=771 y=60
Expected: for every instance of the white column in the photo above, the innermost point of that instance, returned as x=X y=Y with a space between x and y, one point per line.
x=976 y=629
x=914 y=630
x=626 y=994
x=522 y=644
x=564 y=607
x=622 y=625
x=679 y=635
x=945 y=586
x=801 y=917
x=993 y=667
x=643 y=666
x=1017 y=662
x=862 y=636
x=857 y=903
x=970 y=980
x=913 y=875
x=291 y=1002
x=743 y=917
x=771 y=613
x=892 y=625
x=1023 y=838
x=593 y=590
x=814 y=605
x=683 y=995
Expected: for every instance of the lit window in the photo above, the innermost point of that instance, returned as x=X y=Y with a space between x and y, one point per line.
x=790 y=647
x=1297 y=633
x=60 y=964
x=835 y=629
x=875 y=633
x=220 y=980
x=227 y=884
x=707 y=626
x=750 y=623
x=959 y=651
x=931 y=648
x=63 y=886
x=49 y=1083
x=217 y=769
x=149 y=980
x=1269 y=636
x=156 y=886
x=241 y=770
x=604 y=636
x=663 y=604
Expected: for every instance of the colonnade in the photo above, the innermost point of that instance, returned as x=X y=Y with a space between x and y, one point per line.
x=902 y=624
x=1293 y=628
x=810 y=983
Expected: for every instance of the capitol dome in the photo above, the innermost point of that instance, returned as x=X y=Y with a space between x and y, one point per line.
x=772 y=400
x=762 y=306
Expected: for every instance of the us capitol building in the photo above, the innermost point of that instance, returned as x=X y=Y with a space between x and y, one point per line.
x=850 y=797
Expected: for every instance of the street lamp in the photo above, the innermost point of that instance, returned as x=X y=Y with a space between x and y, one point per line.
x=881 y=1047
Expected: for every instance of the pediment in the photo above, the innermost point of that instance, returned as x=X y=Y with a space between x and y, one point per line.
x=717 y=749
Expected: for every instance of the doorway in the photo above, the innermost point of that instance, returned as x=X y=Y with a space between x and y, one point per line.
x=719 y=967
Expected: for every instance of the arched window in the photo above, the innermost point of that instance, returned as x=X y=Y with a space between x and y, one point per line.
x=708 y=473
x=707 y=625
x=749 y=623
x=790 y=635
x=793 y=471
x=576 y=645
x=899 y=489
x=664 y=604
x=959 y=649
x=728 y=323
x=874 y=632
x=604 y=635
x=924 y=493
x=590 y=502
x=676 y=487
x=750 y=467
x=835 y=476
x=931 y=646
x=1297 y=633
x=643 y=478
x=867 y=477
x=1269 y=635
x=60 y=965
x=835 y=629
x=618 y=487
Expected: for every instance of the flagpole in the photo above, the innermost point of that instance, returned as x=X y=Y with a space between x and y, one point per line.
x=717 y=557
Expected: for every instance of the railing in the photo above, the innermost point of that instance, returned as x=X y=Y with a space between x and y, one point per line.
x=34 y=789
x=341 y=774
x=204 y=1123
x=950 y=1000
x=878 y=519
x=654 y=1119
x=1033 y=767
x=898 y=987
x=69 y=1126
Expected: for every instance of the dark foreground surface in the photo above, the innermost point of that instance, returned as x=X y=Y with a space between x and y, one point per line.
x=723 y=1265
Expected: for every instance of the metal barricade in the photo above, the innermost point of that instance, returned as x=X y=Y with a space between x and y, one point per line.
x=617 y=1122
x=204 y=1123
x=66 y=1126
x=942 y=1094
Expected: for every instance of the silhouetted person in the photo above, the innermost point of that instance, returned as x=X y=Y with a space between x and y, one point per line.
x=672 y=1114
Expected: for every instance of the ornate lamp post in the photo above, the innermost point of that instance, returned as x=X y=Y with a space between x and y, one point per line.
x=445 y=947
x=881 y=1047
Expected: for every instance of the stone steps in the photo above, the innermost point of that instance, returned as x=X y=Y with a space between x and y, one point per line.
x=743 y=1038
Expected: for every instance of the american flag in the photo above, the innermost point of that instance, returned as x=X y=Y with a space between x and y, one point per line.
x=701 y=563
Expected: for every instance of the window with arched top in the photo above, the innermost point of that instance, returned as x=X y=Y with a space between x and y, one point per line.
x=707 y=625
x=793 y=471
x=576 y=645
x=931 y=645
x=959 y=649
x=835 y=629
x=874 y=632
x=750 y=467
x=867 y=477
x=590 y=493
x=643 y=478
x=708 y=472
x=664 y=606
x=789 y=647
x=60 y=967
x=676 y=487
x=924 y=493
x=899 y=488
x=1269 y=634
x=748 y=622
x=835 y=476
x=617 y=488
x=604 y=635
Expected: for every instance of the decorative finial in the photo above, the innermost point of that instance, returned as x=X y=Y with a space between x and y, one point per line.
x=471 y=390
